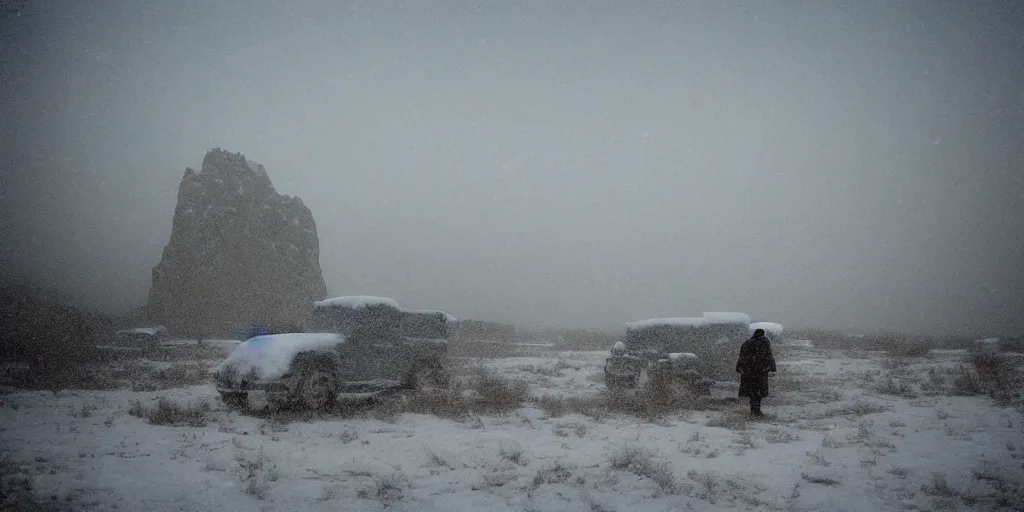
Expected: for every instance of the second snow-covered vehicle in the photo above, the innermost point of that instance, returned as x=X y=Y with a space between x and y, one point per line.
x=361 y=345
x=141 y=335
x=692 y=351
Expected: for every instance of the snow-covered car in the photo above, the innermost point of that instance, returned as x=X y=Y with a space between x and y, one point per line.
x=985 y=346
x=142 y=335
x=359 y=347
x=686 y=350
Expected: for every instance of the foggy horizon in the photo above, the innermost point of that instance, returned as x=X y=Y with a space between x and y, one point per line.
x=855 y=167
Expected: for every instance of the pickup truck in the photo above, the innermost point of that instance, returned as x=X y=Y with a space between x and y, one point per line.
x=362 y=345
x=690 y=351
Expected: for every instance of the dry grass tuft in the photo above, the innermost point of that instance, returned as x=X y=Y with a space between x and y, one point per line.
x=564 y=429
x=989 y=374
x=483 y=392
x=1005 y=491
x=554 y=474
x=513 y=454
x=820 y=480
x=169 y=412
x=435 y=460
x=257 y=474
x=640 y=462
x=652 y=402
x=498 y=394
x=830 y=442
x=896 y=387
x=18 y=492
x=902 y=350
x=818 y=458
x=780 y=436
x=733 y=420
x=853 y=409
x=939 y=487
x=390 y=488
x=556 y=407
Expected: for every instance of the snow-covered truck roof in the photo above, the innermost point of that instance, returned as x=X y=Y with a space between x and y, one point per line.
x=447 y=317
x=356 y=302
x=726 y=317
x=682 y=321
x=769 y=327
x=691 y=321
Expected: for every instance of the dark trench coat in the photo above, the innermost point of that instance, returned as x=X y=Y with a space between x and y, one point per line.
x=754 y=363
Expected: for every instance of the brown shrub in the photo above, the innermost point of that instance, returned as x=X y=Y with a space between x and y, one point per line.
x=169 y=412
x=989 y=374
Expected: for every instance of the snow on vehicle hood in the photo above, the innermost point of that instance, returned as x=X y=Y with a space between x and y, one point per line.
x=270 y=356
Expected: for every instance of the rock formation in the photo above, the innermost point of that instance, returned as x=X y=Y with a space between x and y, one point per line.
x=239 y=254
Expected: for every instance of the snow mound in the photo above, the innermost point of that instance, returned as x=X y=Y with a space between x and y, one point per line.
x=356 y=302
x=675 y=322
x=271 y=355
x=769 y=327
x=723 y=317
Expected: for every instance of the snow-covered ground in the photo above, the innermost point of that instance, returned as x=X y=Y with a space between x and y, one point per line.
x=835 y=439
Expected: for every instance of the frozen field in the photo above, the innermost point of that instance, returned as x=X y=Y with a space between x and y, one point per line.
x=845 y=431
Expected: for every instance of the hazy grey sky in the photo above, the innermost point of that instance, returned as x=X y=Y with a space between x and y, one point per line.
x=826 y=163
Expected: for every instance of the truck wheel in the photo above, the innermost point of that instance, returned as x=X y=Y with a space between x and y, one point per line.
x=413 y=381
x=235 y=400
x=617 y=383
x=440 y=376
x=432 y=372
x=318 y=387
x=701 y=387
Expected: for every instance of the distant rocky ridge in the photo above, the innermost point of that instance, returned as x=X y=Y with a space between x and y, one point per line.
x=239 y=253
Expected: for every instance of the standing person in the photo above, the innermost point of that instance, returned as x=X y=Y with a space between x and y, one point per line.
x=754 y=363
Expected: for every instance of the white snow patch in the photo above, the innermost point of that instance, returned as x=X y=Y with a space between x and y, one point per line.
x=271 y=355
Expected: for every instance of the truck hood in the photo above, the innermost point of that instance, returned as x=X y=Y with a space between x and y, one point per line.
x=264 y=358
